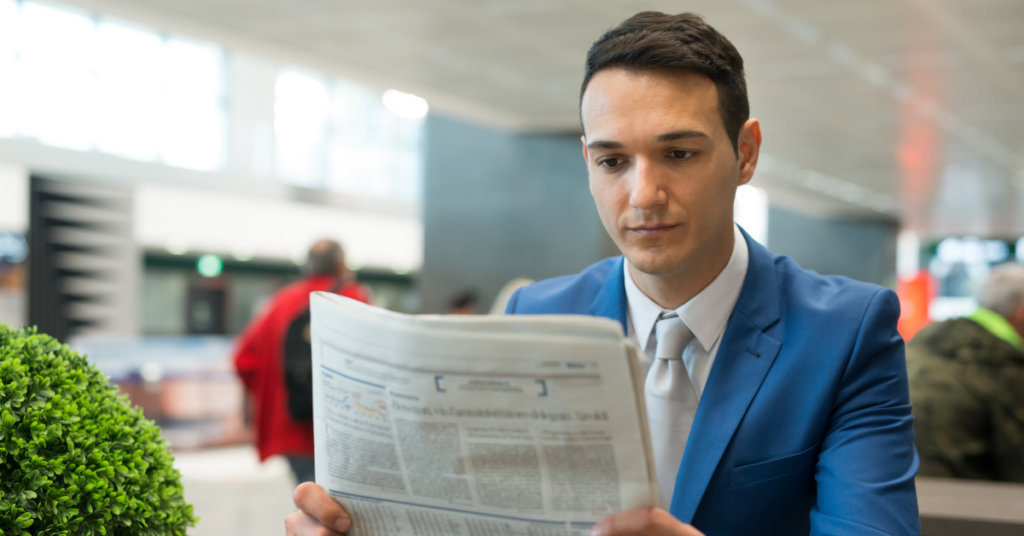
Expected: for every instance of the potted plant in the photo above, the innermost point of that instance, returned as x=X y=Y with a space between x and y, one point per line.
x=75 y=457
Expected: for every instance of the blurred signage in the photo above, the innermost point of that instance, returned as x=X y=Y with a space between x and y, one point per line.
x=971 y=250
x=13 y=248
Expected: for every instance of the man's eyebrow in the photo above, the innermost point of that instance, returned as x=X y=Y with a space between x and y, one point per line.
x=668 y=136
x=681 y=135
x=604 y=144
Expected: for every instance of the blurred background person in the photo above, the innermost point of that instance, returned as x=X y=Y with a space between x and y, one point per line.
x=967 y=386
x=501 y=301
x=273 y=358
x=465 y=303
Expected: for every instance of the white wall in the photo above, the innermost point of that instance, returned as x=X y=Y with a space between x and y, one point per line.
x=13 y=198
x=224 y=223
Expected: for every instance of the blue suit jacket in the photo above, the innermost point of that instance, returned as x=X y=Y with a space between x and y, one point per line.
x=804 y=426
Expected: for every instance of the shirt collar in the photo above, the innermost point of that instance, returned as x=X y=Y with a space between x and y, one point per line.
x=707 y=313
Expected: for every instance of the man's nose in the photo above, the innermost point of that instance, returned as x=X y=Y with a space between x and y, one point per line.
x=647 y=188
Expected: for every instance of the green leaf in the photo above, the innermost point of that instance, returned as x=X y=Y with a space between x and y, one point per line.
x=24 y=520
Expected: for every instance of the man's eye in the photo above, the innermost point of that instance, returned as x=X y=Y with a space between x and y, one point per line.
x=681 y=155
x=608 y=162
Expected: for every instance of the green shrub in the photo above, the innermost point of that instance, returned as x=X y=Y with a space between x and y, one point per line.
x=75 y=457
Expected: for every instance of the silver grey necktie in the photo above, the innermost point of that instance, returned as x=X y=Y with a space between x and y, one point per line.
x=671 y=401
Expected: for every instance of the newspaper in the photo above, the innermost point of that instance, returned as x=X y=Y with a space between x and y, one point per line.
x=476 y=426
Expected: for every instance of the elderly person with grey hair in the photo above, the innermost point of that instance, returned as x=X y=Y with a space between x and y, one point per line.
x=967 y=386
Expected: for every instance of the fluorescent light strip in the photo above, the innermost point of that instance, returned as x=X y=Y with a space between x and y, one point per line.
x=835 y=187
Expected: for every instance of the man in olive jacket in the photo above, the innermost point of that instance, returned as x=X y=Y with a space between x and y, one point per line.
x=967 y=387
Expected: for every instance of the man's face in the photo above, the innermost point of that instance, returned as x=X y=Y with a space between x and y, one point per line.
x=663 y=171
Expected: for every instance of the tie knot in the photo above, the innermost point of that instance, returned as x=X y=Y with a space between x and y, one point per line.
x=672 y=336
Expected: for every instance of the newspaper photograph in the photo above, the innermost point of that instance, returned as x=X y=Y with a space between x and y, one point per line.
x=476 y=426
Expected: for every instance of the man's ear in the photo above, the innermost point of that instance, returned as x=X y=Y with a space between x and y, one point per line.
x=749 y=147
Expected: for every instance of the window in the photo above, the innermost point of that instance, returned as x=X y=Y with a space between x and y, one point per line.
x=344 y=137
x=8 y=66
x=301 y=104
x=73 y=80
x=128 y=84
x=750 y=211
x=195 y=122
x=54 y=75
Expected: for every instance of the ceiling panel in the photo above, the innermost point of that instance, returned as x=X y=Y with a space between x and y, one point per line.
x=921 y=100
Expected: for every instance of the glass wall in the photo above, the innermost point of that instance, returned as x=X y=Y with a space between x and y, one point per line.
x=341 y=136
x=75 y=80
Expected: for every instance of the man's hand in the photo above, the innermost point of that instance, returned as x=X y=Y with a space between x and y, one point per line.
x=644 y=521
x=318 y=515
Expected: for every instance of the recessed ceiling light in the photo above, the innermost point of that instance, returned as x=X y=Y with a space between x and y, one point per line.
x=405 y=105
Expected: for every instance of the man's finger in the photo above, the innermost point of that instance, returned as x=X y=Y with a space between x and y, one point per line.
x=313 y=500
x=644 y=521
x=303 y=524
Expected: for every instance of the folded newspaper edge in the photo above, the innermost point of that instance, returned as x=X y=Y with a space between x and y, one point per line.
x=476 y=425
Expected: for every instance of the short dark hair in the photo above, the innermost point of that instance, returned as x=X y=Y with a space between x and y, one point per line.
x=466 y=298
x=653 y=41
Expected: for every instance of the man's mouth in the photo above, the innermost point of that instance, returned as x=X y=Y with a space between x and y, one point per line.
x=653 y=229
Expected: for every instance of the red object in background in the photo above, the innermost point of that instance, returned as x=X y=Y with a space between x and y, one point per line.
x=915 y=294
x=258 y=361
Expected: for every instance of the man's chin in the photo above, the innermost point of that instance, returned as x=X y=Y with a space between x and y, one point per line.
x=656 y=265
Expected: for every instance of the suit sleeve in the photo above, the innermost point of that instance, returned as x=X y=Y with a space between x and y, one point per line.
x=866 y=467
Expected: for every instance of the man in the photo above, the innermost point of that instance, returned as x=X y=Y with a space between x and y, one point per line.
x=777 y=398
x=967 y=386
x=464 y=303
x=260 y=363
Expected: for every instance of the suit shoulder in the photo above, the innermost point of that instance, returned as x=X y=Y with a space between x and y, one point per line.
x=567 y=294
x=831 y=296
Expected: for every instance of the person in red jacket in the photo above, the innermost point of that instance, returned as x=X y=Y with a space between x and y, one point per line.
x=258 y=357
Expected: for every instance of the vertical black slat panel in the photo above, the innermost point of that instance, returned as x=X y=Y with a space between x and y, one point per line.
x=46 y=307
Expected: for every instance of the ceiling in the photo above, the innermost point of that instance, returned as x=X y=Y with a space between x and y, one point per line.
x=888 y=108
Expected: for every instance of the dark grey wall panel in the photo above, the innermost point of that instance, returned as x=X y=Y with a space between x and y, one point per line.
x=500 y=205
x=861 y=249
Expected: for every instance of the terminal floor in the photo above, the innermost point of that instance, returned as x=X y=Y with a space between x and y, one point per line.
x=234 y=494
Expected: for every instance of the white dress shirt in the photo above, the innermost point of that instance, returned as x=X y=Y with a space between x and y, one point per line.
x=706 y=314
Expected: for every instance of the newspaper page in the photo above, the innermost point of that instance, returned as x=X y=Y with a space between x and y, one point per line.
x=476 y=426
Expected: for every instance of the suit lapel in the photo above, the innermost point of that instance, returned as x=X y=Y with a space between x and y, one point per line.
x=610 y=301
x=744 y=359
